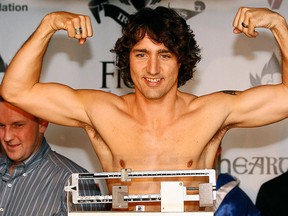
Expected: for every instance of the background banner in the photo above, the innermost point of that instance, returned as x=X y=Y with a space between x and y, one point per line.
x=229 y=62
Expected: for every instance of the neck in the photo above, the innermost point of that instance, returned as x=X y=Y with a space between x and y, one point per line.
x=157 y=111
x=11 y=169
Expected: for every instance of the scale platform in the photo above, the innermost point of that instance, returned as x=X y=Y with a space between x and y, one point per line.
x=171 y=196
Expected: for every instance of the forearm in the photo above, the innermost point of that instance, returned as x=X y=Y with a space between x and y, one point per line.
x=24 y=70
x=248 y=19
x=280 y=33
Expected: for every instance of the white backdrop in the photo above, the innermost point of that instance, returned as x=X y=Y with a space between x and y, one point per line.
x=228 y=62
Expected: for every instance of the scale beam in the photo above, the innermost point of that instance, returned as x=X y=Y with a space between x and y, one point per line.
x=172 y=194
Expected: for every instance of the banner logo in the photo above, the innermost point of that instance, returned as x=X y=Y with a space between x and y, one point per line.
x=3 y=65
x=12 y=7
x=271 y=73
x=140 y=4
x=121 y=16
x=255 y=165
x=275 y=4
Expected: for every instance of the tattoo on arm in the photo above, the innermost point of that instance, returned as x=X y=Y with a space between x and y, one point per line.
x=231 y=92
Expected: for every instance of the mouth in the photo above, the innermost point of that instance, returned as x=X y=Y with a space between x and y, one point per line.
x=153 y=81
x=12 y=147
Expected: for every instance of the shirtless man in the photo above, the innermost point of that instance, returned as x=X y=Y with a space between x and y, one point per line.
x=158 y=127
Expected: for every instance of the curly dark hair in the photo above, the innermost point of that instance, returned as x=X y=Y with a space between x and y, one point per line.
x=162 y=25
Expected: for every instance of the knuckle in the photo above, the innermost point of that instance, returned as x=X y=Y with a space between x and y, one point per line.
x=68 y=22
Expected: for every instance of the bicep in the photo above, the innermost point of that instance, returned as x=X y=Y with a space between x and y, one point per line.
x=56 y=103
x=259 y=106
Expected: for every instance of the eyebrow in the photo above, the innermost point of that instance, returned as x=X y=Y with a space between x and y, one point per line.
x=146 y=51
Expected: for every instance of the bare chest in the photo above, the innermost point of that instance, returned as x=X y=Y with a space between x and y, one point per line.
x=170 y=147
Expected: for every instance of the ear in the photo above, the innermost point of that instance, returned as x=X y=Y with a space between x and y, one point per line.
x=43 y=125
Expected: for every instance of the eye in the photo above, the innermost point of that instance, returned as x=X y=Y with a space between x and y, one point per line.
x=2 y=125
x=18 y=125
x=140 y=55
x=165 y=56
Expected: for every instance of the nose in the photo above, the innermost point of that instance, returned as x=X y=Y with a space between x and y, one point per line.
x=153 y=65
x=8 y=134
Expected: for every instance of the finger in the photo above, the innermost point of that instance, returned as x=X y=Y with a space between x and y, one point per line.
x=83 y=26
x=78 y=26
x=249 y=24
x=236 y=18
x=245 y=24
x=238 y=23
x=236 y=31
x=71 y=25
x=86 y=29
x=78 y=30
x=241 y=25
x=250 y=32
x=82 y=41
x=89 y=26
x=70 y=29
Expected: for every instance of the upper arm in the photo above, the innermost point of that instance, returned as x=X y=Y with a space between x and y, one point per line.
x=259 y=106
x=56 y=103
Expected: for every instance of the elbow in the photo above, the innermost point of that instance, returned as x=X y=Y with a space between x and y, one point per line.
x=7 y=94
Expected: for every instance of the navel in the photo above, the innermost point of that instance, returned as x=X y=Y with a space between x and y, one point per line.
x=122 y=164
x=189 y=164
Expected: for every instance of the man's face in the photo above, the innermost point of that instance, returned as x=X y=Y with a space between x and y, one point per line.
x=20 y=133
x=154 y=69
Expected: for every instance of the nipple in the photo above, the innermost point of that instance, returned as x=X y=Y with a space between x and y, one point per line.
x=189 y=164
x=122 y=164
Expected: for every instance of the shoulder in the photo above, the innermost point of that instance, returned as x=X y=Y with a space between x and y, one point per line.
x=101 y=101
x=212 y=99
x=92 y=96
x=277 y=182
